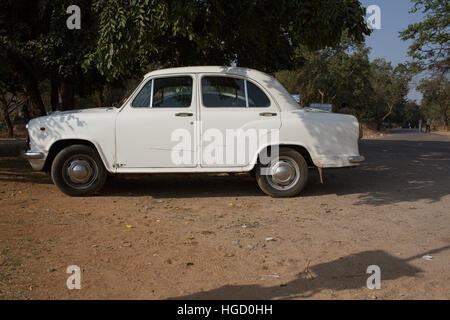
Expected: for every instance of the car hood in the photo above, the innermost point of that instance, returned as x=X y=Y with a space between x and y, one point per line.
x=58 y=118
x=90 y=110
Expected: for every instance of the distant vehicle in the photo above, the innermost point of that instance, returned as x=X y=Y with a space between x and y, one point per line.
x=176 y=121
x=296 y=97
x=321 y=106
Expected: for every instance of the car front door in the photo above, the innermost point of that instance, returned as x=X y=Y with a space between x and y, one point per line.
x=156 y=128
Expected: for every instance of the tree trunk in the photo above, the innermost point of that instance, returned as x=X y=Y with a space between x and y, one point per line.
x=391 y=106
x=67 y=95
x=8 y=122
x=26 y=111
x=31 y=87
x=6 y=118
x=54 y=87
x=322 y=95
x=101 y=96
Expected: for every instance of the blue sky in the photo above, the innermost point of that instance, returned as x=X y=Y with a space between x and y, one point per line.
x=385 y=43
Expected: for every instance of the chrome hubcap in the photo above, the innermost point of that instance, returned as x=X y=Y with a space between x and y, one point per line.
x=284 y=173
x=80 y=171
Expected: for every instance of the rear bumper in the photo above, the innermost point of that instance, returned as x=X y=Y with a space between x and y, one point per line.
x=356 y=159
x=36 y=159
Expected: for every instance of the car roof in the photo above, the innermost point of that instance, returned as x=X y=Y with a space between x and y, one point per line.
x=209 y=69
x=275 y=88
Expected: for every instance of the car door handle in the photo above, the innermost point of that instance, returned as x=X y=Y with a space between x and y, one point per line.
x=184 y=114
x=268 y=114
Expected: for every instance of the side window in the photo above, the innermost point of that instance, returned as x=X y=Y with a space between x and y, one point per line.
x=223 y=92
x=142 y=99
x=256 y=97
x=175 y=92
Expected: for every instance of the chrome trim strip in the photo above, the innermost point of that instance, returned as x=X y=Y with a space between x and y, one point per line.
x=151 y=93
x=246 y=93
x=356 y=159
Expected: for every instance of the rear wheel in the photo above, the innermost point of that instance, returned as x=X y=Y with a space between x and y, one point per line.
x=78 y=171
x=284 y=176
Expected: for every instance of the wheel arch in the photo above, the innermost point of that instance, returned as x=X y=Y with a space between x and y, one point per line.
x=299 y=148
x=59 y=145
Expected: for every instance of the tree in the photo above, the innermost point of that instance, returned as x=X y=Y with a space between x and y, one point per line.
x=390 y=86
x=122 y=39
x=436 y=97
x=344 y=77
x=61 y=51
x=9 y=90
x=37 y=45
x=19 y=26
x=339 y=76
x=263 y=34
x=6 y=102
x=431 y=39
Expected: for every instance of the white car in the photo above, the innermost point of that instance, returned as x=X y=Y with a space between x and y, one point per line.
x=195 y=120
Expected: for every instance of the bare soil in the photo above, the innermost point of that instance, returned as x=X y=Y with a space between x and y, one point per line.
x=220 y=237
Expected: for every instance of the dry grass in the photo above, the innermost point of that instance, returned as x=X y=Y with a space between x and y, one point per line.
x=369 y=129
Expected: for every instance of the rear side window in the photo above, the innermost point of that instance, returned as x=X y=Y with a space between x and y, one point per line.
x=173 y=92
x=256 y=97
x=220 y=92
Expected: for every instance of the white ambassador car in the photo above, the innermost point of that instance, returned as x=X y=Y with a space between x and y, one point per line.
x=195 y=120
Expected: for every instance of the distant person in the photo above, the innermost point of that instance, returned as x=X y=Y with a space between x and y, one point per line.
x=428 y=127
x=420 y=125
x=409 y=125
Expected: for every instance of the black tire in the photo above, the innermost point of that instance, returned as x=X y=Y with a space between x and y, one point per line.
x=78 y=171
x=292 y=160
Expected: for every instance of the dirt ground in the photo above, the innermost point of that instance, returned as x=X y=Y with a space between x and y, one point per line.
x=219 y=237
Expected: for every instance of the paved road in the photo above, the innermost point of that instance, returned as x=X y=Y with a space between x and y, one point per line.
x=403 y=164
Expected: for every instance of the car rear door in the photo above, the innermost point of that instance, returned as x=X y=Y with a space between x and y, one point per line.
x=237 y=115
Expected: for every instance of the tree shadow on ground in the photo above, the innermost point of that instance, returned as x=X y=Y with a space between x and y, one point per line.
x=342 y=274
x=13 y=169
x=395 y=171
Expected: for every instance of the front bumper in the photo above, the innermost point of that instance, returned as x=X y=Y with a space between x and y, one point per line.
x=36 y=159
x=29 y=155
x=356 y=159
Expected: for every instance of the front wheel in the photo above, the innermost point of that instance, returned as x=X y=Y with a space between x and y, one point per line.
x=78 y=171
x=285 y=176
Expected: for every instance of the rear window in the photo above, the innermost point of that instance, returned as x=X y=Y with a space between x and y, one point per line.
x=256 y=97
